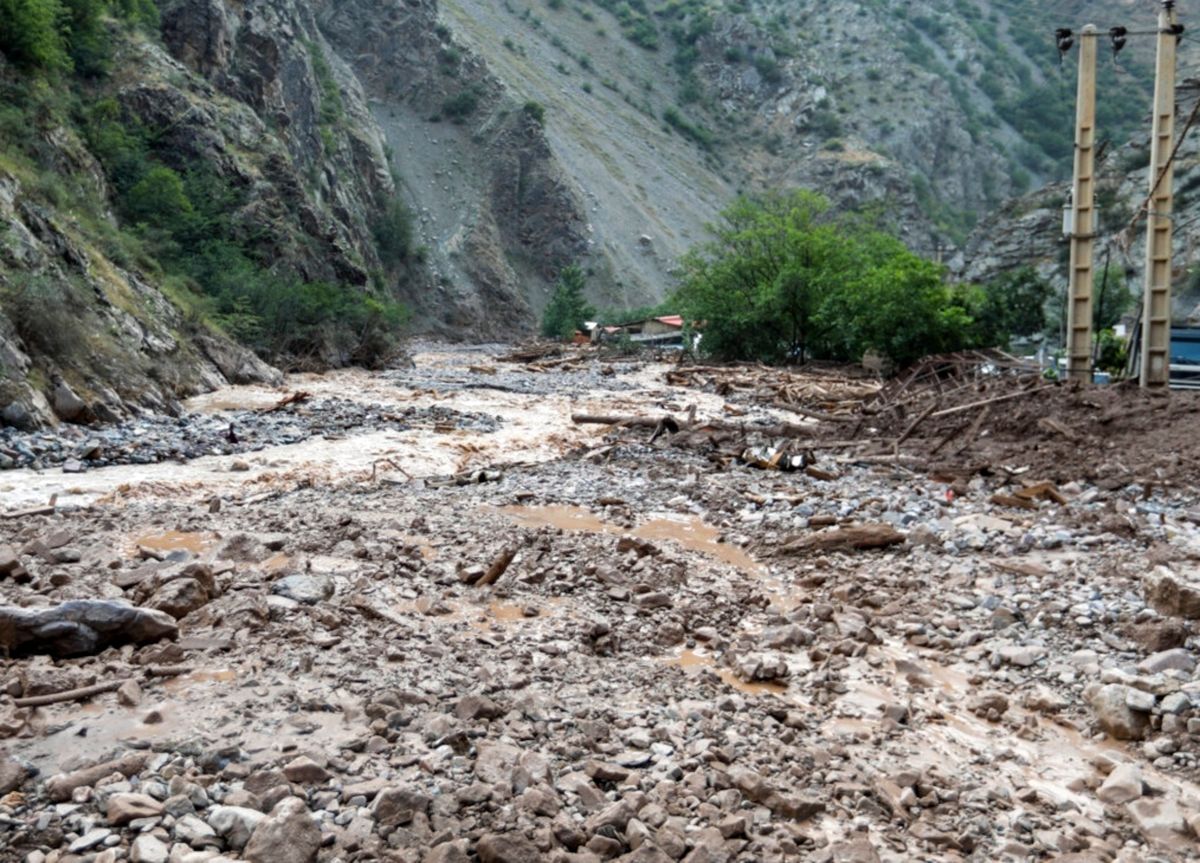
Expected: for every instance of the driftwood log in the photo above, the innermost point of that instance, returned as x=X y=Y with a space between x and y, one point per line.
x=851 y=538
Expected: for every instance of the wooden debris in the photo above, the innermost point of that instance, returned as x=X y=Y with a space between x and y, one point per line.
x=1052 y=425
x=69 y=694
x=296 y=398
x=817 y=473
x=499 y=566
x=1042 y=491
x=29 y=513
x=787 y=430
x=532 y=353
x=1012 y=501
x=994 y=400
x=856 y=537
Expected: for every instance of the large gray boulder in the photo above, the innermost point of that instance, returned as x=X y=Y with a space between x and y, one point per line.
x=81 y=626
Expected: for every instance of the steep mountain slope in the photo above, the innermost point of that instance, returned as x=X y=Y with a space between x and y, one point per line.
x=278 y=172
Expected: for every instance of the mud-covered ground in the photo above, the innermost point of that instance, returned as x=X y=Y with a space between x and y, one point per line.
x=674 y=660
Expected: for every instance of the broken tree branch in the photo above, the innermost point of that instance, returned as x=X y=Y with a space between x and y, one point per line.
x=69 y=694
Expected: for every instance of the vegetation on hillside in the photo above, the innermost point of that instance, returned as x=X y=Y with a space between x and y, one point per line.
x=786 y=279
x=177 y=220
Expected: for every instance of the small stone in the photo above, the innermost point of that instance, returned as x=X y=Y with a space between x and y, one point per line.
x=1113 y=714
x=1176 y=703
x=1022 y=656
x=397 y=806
x=448 y=852
x=89 y=840
x=234 y=824
x=148 y=848
x=472 y=707
x=1177 y=659
x=179 y=597
x=1159 y=819
x=1140 y=700
x=129 y=694
x=604 y=772
x=12 y=774
x=194 y=832
x=508 y=848
x=304 y=588
x=305 y=771
x=1171 y=594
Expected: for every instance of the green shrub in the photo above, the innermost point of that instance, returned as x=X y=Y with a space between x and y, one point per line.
x=158 y=199
x=696 y=133
x=393 y=232
x=462 y=104
x=35 y=305
x=536 y=111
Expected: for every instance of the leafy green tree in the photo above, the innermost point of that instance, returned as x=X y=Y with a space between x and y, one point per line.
x=784 y=278
x=568 y=308
x=1012 y=305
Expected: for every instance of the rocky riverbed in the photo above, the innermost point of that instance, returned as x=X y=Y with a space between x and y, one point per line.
x=500 y=636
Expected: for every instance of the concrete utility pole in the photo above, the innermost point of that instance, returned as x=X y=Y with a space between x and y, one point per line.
x=1083 y=228
x=1156 y=309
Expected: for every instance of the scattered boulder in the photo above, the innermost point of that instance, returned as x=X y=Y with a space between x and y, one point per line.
x=234 y=824
x=12 y=774
x=305 y=588
x=1172 y=594
x=1123 y=784
x=67 y=405
x=81 y=626
x=289 y=835
x=1110 y=705
x=304 y=771
x=179 y=597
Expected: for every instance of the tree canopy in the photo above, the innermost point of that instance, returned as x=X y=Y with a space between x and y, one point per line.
x=786 y=278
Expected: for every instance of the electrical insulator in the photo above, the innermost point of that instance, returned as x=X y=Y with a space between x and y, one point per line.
x=1117 y=34
x=1064 y=39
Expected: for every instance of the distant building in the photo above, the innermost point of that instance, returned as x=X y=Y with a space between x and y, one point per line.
x=665 y=331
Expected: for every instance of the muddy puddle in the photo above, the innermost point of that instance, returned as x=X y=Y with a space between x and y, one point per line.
x=165 y=542
x=692 y=662
x=186 y=682
x=690 y=532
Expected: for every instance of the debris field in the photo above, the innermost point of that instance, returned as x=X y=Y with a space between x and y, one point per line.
x=603 y=608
